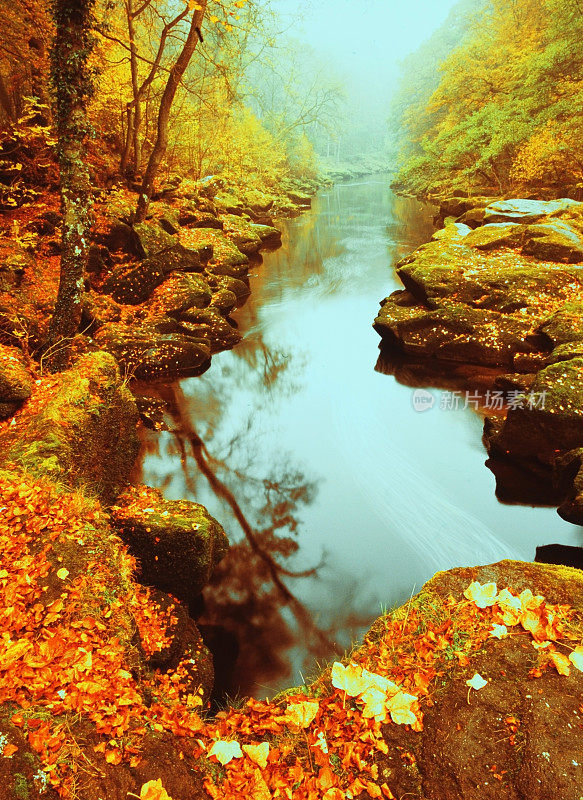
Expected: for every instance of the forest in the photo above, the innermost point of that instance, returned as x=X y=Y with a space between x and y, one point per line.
x=251 y=545
x=503 y=108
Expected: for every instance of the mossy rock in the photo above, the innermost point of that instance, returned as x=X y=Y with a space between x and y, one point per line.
x=210 y=325
x=554 y=240
x=454 y=332
x=495 y=236
x=154 y=239
x=15 y=379
x=553 y=422
x=180 y=292
x=134 y=283
x=565 y=325
x=177 y=543
x=85 y=432
x=150 y=354
x=239 y=287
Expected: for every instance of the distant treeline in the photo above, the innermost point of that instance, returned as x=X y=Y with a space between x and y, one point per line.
x=494 y=98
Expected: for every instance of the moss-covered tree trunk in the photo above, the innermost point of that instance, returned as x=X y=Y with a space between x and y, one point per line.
x=72 y=83
x=174 y=78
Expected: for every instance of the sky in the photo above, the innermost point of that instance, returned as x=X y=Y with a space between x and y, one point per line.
x=365 y=38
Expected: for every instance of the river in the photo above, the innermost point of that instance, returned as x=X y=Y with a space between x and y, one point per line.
x=313 y=442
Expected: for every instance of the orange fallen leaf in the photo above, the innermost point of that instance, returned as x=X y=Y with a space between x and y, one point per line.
x=9 y=750
x=482 y=595
x=561 y=663
x=258 y=753
x=302 y=713
x=226 y=750
x=153 y=790
x=576 y=658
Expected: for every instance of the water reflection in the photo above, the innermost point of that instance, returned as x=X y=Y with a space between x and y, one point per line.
x=324 y=455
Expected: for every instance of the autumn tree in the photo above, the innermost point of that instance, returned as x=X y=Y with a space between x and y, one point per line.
x=72 y=78
x=504 y=108
x=175 y=74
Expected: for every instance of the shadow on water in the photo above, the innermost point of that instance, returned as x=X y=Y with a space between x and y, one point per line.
x=313 y=459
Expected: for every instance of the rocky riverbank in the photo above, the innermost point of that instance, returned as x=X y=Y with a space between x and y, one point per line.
x=498 y=294
x=105 y=678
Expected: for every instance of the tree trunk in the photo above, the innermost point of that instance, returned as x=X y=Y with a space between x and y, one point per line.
x=72 y=82
x=6 y=103
x=161 y=142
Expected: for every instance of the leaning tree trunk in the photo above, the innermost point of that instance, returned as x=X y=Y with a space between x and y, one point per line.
x=72 y=82
x=161 y=143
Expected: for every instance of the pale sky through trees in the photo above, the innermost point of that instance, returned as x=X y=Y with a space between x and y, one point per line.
x=365 y=38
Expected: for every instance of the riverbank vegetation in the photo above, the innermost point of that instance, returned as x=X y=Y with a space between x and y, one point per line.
x=503 y=109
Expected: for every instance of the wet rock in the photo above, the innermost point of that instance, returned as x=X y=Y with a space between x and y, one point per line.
x=224 y=300
x=553 y=420
x=240 y=288
x=554 y=241
x=147 y=353
x=560 y=554
x=569 y=476
x=84 y=434
x=300 y=199
x=496 y=235
x=455 y=332
x=209 y=324
x=177 y=543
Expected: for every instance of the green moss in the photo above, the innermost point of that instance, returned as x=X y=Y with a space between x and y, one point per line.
x=21 y=787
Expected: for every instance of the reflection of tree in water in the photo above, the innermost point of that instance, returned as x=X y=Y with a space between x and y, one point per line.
x=248 y=596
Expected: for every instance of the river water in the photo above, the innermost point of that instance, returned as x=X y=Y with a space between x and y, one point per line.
x=314 y=443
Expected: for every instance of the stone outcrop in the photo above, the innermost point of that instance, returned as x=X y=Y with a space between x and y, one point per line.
x=176 y=542
x=507 y=294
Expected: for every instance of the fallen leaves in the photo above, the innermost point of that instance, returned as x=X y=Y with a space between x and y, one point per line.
x=477 y=682
x=153 y=790
x=302 y=713
x=576 y=658
x=381 y=697
x=258 y=753
x=225 y=751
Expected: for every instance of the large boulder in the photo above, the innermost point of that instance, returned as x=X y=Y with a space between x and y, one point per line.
x=550 y=418
x=133 y=283
x=176 y=542
x=526 y=211
x=490 y=308
x=496 y=235
x=454 y=332
x=82 y=430
x=167 y=250
x=554 y=240
x=180 y=292
x=155 y=351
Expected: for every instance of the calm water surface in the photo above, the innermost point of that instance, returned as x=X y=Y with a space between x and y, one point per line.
x=309 y=438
